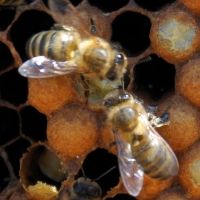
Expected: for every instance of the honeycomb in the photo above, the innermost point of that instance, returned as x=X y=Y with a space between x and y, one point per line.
x=50 y=116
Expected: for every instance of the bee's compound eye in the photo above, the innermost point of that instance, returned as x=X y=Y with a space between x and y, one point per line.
x=119 y=59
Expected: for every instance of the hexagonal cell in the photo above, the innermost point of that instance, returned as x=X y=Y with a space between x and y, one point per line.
x=153 y=5
x=29 y=23
x=6 y=17
x=4 y=175
x=102 y=167
x=33 y=123
x=9 y=125
x=154 y=76
x=41 y=164
x=131 y=31
x=15 y=151
x=7 y=59
x=13 y=87
x=121 y=197
x=108 y=6
x=174 y=35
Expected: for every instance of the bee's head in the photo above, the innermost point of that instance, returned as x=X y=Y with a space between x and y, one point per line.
x=86 y=189
x=102 y=60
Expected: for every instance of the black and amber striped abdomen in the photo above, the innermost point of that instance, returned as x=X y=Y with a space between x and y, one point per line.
x=54 y=44
x=155 y=157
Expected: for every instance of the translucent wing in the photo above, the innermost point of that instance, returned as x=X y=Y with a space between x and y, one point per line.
x=130 y=170
x=42 y=67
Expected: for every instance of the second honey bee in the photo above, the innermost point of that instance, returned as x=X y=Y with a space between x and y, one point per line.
x=82 y=189
x=140 y=148
x=62 y=51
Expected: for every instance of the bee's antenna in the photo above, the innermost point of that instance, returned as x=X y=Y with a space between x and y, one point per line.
x=83 y=172
x=102 y=175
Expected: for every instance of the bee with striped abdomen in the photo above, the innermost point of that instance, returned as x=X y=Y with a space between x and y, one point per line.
x=140 y=148
x=62 y=51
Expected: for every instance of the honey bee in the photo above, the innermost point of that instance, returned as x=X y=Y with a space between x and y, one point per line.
x=82 y=189
x=140 y=148
x=61 y=50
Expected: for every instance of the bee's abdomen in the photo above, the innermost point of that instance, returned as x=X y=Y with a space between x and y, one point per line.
x=57 y=45
x=155 y=158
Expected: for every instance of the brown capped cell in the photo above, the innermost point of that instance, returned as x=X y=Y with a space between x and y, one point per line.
x=107 y=138
x=184 y=126
x=72 y=131
x=189 y=176
x=41 y=172
x=153 y=187
x=193 y=5
x=175 y=36
x=188 y=81
x=172 y=194
x=49 y=94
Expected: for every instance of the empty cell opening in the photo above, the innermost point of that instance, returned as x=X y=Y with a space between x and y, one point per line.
x=154 y=76
x=131 y=31
x=29 y=23
x=6 y=17
x=4 y=175
x=31 y=170
x=15 y=152
x=96 y=164
x=9 y=125
x=153 y=5
x=6 y=56
x=75 y=2
x=33 y=123
x=122 y=197
x=13 y=87
x=108 y=6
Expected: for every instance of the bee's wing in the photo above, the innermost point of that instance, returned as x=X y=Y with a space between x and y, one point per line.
x=42 y=67
x=130 y=171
